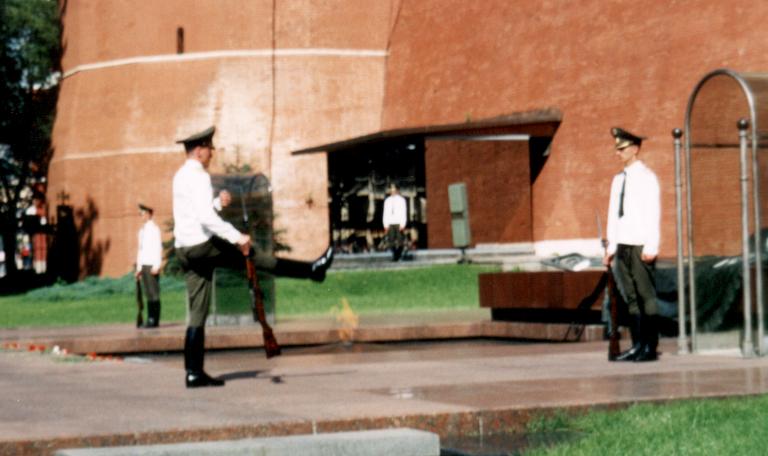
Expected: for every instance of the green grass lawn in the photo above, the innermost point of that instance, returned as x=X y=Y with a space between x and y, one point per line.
x=95 y=301
x=734 y=426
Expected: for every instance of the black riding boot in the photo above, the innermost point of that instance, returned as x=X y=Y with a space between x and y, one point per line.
x=650 y=341
x=153 y=314
x=303 y=270
x=194 y=352
x=636 y=332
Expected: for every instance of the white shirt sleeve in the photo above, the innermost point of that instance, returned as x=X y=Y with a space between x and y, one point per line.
x=385 y=216
x=613 y=214
x=154 y=244
x=652 y=202
x=139 y=252
x=206 y=213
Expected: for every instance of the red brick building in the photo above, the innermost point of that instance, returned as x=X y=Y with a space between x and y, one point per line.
x=278 y=77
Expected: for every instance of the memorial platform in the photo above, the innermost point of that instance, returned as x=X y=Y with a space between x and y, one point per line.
x=408 y=326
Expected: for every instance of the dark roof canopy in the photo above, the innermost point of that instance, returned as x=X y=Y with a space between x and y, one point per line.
x=542 y=122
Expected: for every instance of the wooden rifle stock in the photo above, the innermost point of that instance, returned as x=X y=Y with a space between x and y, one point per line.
x=271 y=347
x=614 y=350
x=139 y=304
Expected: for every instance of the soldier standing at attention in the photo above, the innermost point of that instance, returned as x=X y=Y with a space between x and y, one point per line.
x=633 y=240
x=148 y=261
x=394 y=219
x=204 y=242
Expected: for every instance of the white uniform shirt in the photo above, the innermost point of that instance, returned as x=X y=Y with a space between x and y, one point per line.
x=640 y=224
x=150 y=251
x=194 y=217
x=395 y=211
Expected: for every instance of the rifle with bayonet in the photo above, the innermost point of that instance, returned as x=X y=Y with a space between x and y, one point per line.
x=614 y=350
x=271 y=347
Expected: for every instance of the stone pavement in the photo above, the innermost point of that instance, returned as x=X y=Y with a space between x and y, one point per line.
x=463 y=387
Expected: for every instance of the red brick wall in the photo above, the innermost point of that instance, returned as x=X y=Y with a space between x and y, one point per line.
x=716 y=201
x=716 y=195
x=497 y=177
x=601 y=63
x=117 y=121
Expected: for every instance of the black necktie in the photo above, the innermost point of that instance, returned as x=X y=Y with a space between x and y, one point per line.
x=621 y=197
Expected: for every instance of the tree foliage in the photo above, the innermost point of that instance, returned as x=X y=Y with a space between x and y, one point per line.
x=30 y=54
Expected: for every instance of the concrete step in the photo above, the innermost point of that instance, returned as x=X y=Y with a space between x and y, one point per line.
x=385 y=442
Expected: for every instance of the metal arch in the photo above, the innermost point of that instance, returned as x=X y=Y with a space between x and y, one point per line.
x=746 y=89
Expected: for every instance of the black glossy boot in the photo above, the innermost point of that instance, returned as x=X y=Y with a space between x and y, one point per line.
x=650 y=341
x=194 y=351
x=303 y=270
x=153 y=314
x=320 y=265
x=636 y=332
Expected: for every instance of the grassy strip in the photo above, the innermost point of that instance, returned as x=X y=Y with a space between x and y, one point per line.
x=98 y=301
x=734 y=426
x=437 y=287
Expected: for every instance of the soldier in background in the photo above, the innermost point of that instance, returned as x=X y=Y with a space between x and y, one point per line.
x=394 y=220
x=633 y=239
x=148 y=261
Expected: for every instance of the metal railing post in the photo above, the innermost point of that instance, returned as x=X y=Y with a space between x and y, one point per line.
x=759 y=295
x=747 y=347
x=682 y=340
x=689 y=232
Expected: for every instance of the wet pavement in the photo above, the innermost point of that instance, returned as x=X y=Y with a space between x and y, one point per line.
x=460 y=387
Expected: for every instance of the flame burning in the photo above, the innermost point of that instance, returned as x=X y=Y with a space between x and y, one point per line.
x=347 y=319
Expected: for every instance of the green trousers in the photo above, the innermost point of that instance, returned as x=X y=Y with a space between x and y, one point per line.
x=395 y=241
x=636 y=280
x=151 y=283
x=198 y=263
